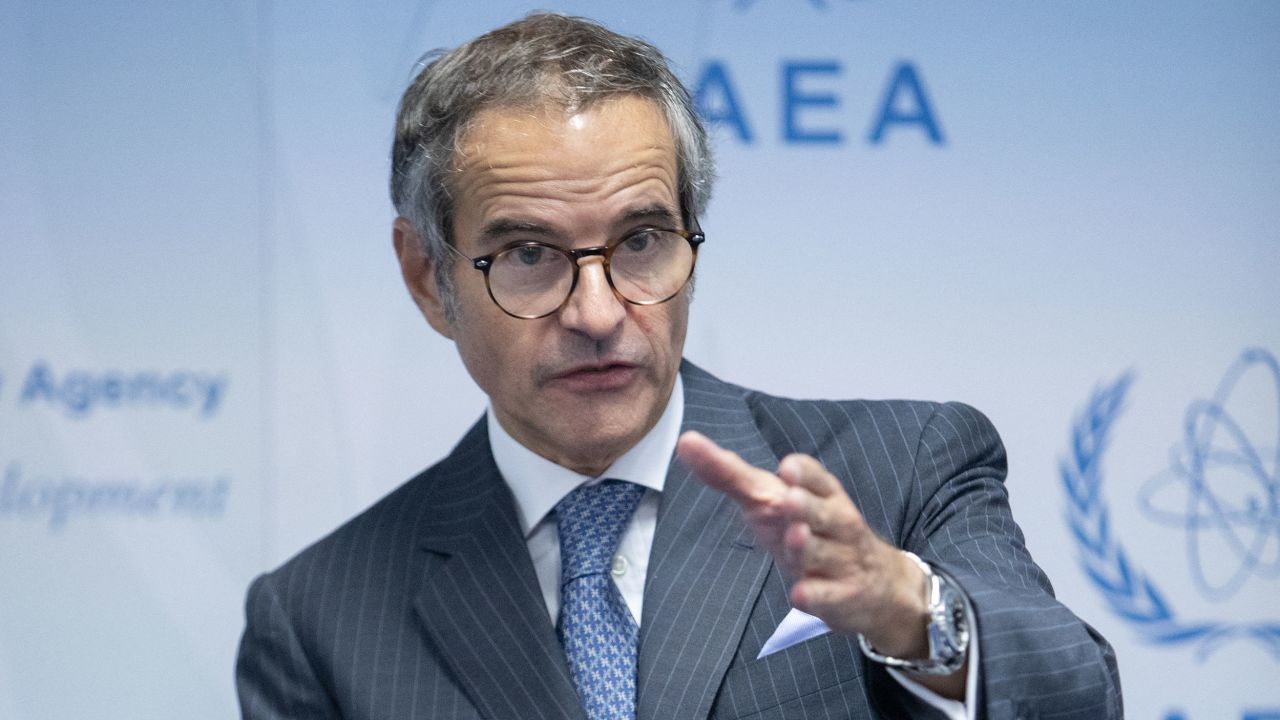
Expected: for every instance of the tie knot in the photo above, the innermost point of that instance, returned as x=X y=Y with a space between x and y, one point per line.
x=591 y=519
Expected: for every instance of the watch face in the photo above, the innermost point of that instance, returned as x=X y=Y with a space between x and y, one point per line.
x=957 y=615
x=949 y=628
x=955 y=609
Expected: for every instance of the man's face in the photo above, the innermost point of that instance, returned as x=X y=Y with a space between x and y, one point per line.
x=584 y=384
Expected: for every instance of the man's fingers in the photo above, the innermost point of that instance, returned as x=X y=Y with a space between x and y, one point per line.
x=832 y=518
x=838 y=569
x=820 y=596
x=806 y=472
x=813 y=555
x=723 y=470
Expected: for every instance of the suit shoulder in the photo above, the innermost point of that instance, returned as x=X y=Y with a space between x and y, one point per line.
x=823 y=416
x=817 y=419
x=385 y=530
x=899 y=426
x=358 y=534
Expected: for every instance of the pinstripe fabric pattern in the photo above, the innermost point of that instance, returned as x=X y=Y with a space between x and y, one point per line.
x=426 y=605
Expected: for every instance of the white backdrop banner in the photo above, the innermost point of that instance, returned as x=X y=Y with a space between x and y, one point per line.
x=1067 y=215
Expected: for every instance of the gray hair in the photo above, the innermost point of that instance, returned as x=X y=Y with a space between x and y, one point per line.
x=543 y=60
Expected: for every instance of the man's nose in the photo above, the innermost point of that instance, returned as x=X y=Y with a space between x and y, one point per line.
x=593 y=308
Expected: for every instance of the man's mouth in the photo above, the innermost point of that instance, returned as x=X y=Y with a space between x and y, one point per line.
x=597 y=377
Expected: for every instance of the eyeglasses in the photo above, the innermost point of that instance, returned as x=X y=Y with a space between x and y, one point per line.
x=529 y=279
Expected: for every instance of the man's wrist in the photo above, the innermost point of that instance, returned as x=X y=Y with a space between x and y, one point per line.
x=901 y=629
x=946 y=628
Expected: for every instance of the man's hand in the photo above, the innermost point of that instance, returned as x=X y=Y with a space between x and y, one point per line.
x=836 y=566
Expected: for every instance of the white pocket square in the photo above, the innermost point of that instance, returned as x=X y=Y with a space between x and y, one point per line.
x=795 y=628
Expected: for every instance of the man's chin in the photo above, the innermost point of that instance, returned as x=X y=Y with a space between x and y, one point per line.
x=609 y=438
x=590 y=442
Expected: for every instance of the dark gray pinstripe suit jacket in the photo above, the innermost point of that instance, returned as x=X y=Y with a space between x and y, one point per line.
x=426 y=605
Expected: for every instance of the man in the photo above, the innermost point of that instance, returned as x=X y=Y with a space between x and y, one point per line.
x=560 y=563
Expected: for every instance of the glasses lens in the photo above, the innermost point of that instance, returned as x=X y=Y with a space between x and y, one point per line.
x=530 y=280
x=651 y=266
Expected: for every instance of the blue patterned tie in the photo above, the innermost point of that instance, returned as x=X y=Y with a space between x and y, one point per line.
x=596 y=628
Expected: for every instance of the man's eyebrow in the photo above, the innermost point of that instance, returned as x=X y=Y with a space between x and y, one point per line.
x=502 y=227
x=499 y=229
x=663 y=214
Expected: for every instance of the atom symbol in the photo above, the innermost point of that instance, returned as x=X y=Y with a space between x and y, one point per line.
x=1230 y=504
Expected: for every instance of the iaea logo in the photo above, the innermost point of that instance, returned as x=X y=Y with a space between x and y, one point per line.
x=1221 y=489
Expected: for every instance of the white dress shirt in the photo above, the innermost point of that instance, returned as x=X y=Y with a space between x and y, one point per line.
x=539 y=484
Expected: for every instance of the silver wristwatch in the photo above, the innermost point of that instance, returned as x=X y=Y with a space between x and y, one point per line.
x=948 y=629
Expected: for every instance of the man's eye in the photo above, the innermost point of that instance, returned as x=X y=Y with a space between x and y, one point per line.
x=531 y=255
x=639 y=242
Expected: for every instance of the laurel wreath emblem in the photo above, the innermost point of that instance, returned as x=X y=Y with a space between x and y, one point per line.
x=1130 y=593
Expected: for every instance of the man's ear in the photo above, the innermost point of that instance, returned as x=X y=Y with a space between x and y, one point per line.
x=419 y=276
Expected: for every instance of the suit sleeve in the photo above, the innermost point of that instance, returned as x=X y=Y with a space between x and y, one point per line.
x=1037 y=656
x=274 y=678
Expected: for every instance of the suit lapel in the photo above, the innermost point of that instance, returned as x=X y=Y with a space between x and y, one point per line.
x=704 y=571
x=480 y=603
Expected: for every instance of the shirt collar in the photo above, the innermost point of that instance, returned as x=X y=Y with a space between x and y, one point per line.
x=539 y=484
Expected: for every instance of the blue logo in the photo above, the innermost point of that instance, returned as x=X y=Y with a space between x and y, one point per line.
x=1221 y=489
